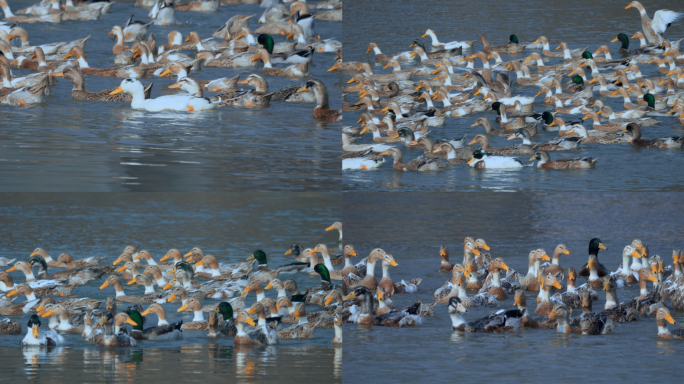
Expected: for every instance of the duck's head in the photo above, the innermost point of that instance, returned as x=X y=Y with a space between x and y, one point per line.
x=577 y=79
x=609 y=284
x=187 y=84
x=225 y=309
x=540 y=155
x=456 y=305
x=134 y=317
x=559 y=311
x=650 y=99
x=358 y=293
x=191 y=305
x=38 y=262
x=417 y=43
x=520 y=300
x=478 y=155
x=513 y=39
x=111 y=280
x=594 y=245
x=128 y=86
x=260 y=256
x=266 y=41
x=34 y=325
x=587 y=55
x=622 y=38
x=662 y=315
x=497 y=107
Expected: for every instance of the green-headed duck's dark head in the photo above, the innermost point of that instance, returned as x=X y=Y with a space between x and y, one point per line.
x=577 y=79
x=136 y=317
x=184 y=265
x=323 y=271
x=260 y=256
x=623 y=39
x=594 y=245
x=266 y=41
x=39 y=262
x=513 y=39
x=495 y=106
x=295 y=249
x=405 y=132
x=479 y=154
x=547 y=117
x=34 y=320
x=225 y=309
x=587 y=55
x=418 y=43
x=650 y=99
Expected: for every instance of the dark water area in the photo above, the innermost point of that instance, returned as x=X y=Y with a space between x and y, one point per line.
x=73 y=145
x=394 y=24
x=413 y=226
x=229 y=226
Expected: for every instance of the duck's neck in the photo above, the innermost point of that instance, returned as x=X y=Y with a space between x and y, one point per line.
x=562 y=323
x=531 y=270
x=457 y=319
x=611 y=299
x=149 y=289
x=636 y=264
x=593 y=274
x=347 y=261
x=160 y=281
x=643 y=287
x=150 y=261
x=302 y=320
x=262 y=318
x=496 y=279
x=326 y=256
x=82 y=63
x=64 y=322
x=462 y=292
x=162 y=319
x=370 y=268
x=31 y=296
x=544 y=294
x=240 y=330
x=29 y=276
x=199 y=315
x=571 y=285
x=281 y=292
x=385 y=271
x=625 y=265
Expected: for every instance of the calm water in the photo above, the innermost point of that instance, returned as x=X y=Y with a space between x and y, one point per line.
x=229 y=227
x=580 y=23
x=412 y=227
x=69 y=145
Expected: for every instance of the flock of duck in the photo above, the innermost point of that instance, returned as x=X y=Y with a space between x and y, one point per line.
x=232 y=46
x=407 y=98
x=482 y=280
x=190 y=279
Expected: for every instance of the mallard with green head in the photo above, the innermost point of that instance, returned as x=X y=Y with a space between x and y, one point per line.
x=111 y=338
x=512 y=47
x=264 y=274
x=226 y=327
x=296 y=57
x=624 y=48
x=166 y=332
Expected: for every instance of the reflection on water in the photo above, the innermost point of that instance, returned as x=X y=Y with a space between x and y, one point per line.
x=70 y=145
x=580 y=23
x=192 y=362
x=412 y=227
x=229 y=226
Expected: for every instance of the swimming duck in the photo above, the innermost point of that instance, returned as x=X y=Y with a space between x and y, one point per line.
x=198 y=323
x=454 y=44
x=227 y=327
x=114 y=281
x=10 y=327
x=110 y=337
x=294 y=71
x=168 y=332
x=322 y=110
x=302 y=330
x=654 y=29
x=403 y=56
x=613 y=309
x=494 y=286
x=498 y=322
x=163 y=103
x=363 y=315
x=65 y=324
x=547 y=281
x=544 y=161
x=561 y=144
x=662 y=316
x=49 y=338
x=589 y=324
x=510 y=48
x=419 y=164
x=69 y=277
x=674 y=142
x=482 y=159
x=540 y=322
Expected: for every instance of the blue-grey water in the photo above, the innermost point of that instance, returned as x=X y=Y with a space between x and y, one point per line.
x=73 y=145
x=394 y=24
x=413 y=226
x=229 y=226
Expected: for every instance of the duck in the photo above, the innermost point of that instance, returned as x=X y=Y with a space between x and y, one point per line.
x=43 y=287
x=561 y=144
x=674 y=142
x=255 y=337
x=269 y=332
x=450 y=45
x=510 y=48
x=613 y=309
x=546 y=306
x=322 y=110
x=501 y=321
x=588 y=325
x=264 y=274
x=403 y=56
x=419 y=164
x=11 y=327
x=494 y=287
x=198 y=323
x=49 y=338
x=302 y=330
x=363 y=315
x=294 y=71
x=65 y=324
x=111 y=338
x=540 y=322
x=544 y=161
x=654 y=29
x=227 y=327
x=168 y=332
x=484 y=160
x=294 y=57
x=163 y=103
x=483 y=140
x=114 y=281
x=408 y=316
x=66 y=278
x=663 y=317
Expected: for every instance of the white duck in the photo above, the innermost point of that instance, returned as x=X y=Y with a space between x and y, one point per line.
x=181 y=102
x=482 y=159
